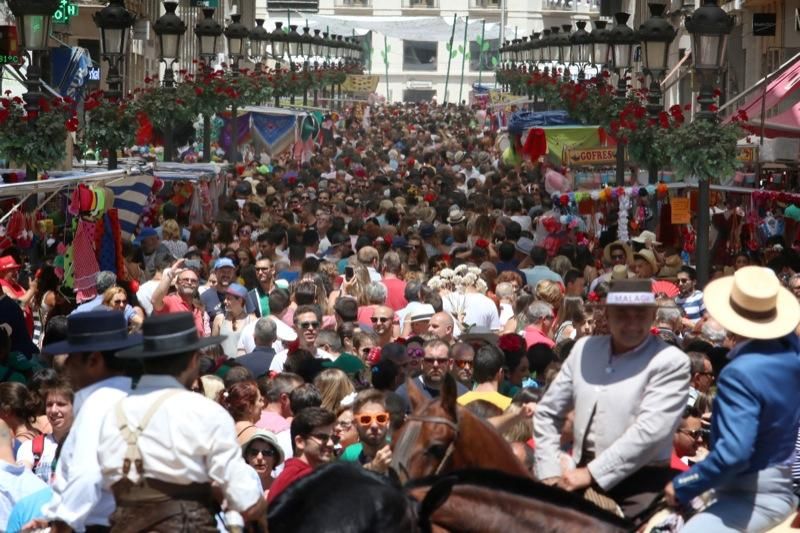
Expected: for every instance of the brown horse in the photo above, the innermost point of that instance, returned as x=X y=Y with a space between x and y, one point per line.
x=440 y=437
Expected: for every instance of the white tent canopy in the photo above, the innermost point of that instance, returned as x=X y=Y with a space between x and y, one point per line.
x=406 y=28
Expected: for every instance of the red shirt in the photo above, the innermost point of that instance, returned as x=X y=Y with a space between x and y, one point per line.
x=293 y=469
x=675 y=463
x=534 y=335
x=395 y=293
x=175 y=304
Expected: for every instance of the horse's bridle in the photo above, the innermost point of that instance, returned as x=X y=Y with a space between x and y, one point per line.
x=411 y=434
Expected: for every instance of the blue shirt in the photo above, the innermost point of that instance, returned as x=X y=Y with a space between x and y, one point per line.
x=692 y=305
x=755 y=415
x=27 y=509
x=96 y=303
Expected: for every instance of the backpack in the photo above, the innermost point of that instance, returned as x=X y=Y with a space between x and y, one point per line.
x=37 y=448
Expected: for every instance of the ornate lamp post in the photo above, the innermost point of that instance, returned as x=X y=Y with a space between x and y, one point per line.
x=565 y=50
x=293 y=42
x=33 y=26
x=236 y=34
x=207 y=31
x=600 y=39
x=554 y=48
x=259 y=37
x=709 y=27
x=114 y=21
x=544 y=50
x=655 y=34
x=582 y=48
x=169 y=29
x=622 y=40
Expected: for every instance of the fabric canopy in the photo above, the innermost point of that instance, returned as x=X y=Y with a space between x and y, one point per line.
x=779 y=92
x=437 y=29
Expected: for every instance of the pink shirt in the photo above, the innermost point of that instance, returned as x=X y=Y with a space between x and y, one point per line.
x=395 y=293
x=273 y=422
x=175 y=304
x=534 y=335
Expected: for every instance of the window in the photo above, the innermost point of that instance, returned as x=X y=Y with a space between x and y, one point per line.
x=474 y=54
x=420 y=55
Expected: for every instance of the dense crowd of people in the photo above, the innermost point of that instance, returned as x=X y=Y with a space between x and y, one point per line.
x=225 y=362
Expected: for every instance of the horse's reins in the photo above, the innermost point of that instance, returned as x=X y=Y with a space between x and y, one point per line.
x=447 y=422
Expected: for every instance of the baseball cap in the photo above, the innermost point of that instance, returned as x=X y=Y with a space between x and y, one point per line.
x=223 y=262
x=237 y=290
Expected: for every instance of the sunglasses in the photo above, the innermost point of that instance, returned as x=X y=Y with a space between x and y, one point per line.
x=416 y=353
x=617 y=257
x=266 y=452
x=119 y=302
x=323 y=438
x=381 y=319
x=435 y=360
x=693 y=433
x=366 y=420
x=308 y=325
x=462 y=363
x=262 y=269
x=365 y=350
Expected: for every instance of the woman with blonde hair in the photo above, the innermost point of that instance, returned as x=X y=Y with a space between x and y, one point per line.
x=116 y=299
x=171 y=238
x=333 y=385
x=355 y=287
x=550 y=292
x=560 y=264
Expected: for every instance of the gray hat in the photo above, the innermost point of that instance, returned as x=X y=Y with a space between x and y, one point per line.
x=269 y=438
x=524 y=245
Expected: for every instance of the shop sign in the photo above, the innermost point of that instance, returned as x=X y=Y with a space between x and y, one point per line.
x=590 y=156
x=746 y=154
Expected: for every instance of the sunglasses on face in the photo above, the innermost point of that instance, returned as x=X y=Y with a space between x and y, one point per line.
x=263 y=269
x=434 y=361
x=365 y=350
x=323 y=438
x=266 y=452
x=462 y=363
x=416 y=353
x=617 y=257
x=308 y=325
x=381 y=319
x=366 y=420
x=119 y=302
x=693 y=433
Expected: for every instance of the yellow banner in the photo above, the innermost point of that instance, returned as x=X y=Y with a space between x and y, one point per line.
x=360 y=83
x=590 y=156
x=746 y=154
x=680 y=210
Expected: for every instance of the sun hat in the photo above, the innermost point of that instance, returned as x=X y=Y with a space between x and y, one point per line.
x=617 y=244
x=672 y=265
x=648 y=256
x=524 y=245
x=479 y=334
x=224 y=262
x=234 y=289
x=347 y=363
x=631 y=292
x=427 y=230
x=645 y=237
x=456 y=216
x=169 y=334
x=421 y=312
x=619 y=272
x=269 y=438
x=752 y=303
x=8 y=263
x=95 y=331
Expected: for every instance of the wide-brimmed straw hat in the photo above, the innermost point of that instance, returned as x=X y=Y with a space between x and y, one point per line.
x=648 y=256
x=753 y=304
x=617 y=244
x=170 y=334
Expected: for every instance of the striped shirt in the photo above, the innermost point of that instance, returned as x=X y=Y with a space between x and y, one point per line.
x=692 y=305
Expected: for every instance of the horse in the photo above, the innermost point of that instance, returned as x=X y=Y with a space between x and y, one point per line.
x=439 y=436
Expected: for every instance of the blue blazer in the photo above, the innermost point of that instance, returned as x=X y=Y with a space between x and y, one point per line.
x=755 y=415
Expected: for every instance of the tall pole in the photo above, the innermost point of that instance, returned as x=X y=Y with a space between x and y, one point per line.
x=206 y=68
x=449 y=58
x=622 y=90
x=464 y=52
x=706 y=99
x=233 y=148
x=33 y=85
x=480 y=51
x=502 y=21
x=386 y=63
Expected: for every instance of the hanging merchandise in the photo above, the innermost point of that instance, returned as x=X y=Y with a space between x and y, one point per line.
x=624 y=209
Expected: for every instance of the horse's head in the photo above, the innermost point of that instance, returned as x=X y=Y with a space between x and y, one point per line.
x=426 y=442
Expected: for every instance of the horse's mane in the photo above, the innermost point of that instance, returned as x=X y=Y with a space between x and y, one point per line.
x=526 y=487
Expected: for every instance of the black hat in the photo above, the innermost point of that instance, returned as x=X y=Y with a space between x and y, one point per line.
x=169 y=334
x=95 y=331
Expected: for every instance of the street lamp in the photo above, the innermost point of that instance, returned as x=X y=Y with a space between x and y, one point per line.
x=565 y=50
x=600 y=39
x=293 y=44
x=33 y=25
x=169 y=29
x=278 y=38
x=622 y=39
x=544 y=50
x=536 y=47
x=582 y=45
x=316 y=47
x=259 y=36
x=655 y=34
x=114 y=21
x=553 y=46
x=207 y=31
x=236 y=34
x=709 y=27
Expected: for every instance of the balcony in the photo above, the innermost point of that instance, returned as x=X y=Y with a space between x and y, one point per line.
x=420 y=4
x=353 y=3
x=484 y=4
x=571 y=6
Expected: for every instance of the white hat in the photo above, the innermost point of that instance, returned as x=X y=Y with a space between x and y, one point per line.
x=753 y=304
x=421 y=312
x=645 y=237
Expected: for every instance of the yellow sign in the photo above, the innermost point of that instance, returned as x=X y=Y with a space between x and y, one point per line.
x=360 y=83
x=680 y=210
x=590 y=156
x=746 y=154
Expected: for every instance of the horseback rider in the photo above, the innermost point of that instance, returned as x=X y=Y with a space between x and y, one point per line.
x=628 y=390
x=755 y=415
x=163 y=446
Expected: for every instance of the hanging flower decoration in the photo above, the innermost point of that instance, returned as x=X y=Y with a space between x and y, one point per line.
x=36 y=138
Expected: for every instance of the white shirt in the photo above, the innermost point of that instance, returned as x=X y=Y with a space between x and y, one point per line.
x=374 y=275
x=190 y=439
x=45 y=467
x=16 y=482
x=145 y=295
x=479 y=310
x=247 y=344
x=506 y=313
x=78 y=495
x=281 y=357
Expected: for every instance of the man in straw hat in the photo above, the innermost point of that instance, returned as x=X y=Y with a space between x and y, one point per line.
x=163 y=446
x=628 y=390
x=755 y=416
x=79 y=501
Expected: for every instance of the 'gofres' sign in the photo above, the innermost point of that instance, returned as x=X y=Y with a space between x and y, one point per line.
x=590 y=156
